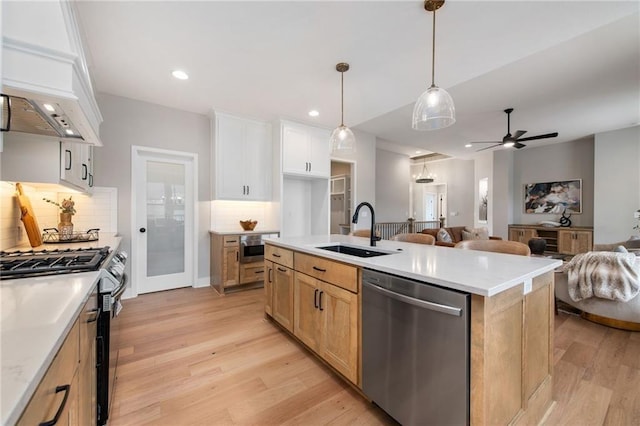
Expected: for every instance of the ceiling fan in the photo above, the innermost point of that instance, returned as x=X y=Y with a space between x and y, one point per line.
x=515 y=140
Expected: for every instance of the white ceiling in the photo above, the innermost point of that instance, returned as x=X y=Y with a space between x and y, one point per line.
x=566 y=66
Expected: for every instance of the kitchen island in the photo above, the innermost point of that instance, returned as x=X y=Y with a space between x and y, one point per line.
x=511 y=313
x=37 y=315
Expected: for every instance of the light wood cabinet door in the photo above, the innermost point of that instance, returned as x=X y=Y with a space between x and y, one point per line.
x=522 y=235
x=231 y=266
x=574 y=242
x=282 y=303
x=87 y=380
x=339 y=329
x=268 y=287
x=306 y=325
x=58 y=388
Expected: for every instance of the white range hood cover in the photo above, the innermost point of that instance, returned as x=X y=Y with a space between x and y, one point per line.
x=43 y=60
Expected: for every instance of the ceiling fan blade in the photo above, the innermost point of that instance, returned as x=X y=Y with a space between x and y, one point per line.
x=532 y=138
x=489 y=147
x=518 y=145
x=519 y=133
x=488 y=142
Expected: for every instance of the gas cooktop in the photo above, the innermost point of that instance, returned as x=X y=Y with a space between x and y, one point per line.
x=24 y=264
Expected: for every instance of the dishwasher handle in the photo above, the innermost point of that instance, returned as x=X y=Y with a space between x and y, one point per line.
x=450 y=310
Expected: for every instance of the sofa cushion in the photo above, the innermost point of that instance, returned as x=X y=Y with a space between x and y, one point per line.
x=475 y=233
x=456 y=233
x=431 y=231
x=444 y=236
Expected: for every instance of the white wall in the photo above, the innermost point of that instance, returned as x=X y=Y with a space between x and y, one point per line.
x=617 y=184
x=483 y=169
x=500 y=191
x=392 y=186
x=128 y=122
x=563 y=161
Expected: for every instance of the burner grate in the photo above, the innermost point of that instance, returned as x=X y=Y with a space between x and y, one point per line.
x=23 y=264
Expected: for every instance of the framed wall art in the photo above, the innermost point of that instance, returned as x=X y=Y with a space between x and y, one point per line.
x=554 y=197
x=483 y=199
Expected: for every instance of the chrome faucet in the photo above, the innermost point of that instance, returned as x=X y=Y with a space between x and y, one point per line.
x=373 y=236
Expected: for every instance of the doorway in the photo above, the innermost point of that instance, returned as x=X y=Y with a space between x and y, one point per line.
x=164 y=186
x=341 y=196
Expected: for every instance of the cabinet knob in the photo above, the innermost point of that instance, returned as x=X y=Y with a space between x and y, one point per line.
x=143 y=230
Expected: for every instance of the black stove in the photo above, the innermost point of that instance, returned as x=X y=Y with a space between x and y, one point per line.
x=24 y=264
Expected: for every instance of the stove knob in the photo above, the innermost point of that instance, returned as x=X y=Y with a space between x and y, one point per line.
x=122 y=255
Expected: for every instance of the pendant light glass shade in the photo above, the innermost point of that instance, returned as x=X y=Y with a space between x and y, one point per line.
x=434 y=109
x=342 y=139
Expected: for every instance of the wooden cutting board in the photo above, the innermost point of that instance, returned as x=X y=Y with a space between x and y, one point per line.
x=28 y=218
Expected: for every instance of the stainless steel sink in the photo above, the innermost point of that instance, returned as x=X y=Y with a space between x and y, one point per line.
x=354 y=251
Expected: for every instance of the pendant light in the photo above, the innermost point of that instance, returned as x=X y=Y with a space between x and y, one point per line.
x=434 y=109
x=424 y=177
x=342 y=139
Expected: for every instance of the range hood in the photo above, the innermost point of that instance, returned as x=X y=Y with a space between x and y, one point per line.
x=23 y=115
x=46 y=88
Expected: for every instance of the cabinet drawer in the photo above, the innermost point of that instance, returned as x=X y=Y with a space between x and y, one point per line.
x=336 y=273
x=278 y=255
x=230 y=240
x=251 y=272
x=45 y=401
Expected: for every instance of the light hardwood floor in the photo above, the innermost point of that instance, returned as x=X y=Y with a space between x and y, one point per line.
x=189 y=356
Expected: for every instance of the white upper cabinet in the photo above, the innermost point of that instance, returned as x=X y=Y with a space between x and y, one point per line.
x=305 y=150
x=241 y=157
x=37 y=160
x=76 y=165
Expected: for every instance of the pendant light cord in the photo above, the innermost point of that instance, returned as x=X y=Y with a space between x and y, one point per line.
x=342 y=98
x=433 y=51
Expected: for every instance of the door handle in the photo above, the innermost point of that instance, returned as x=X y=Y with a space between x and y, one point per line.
x=247 y=189
x=450 y=310
x=319 y=269
x=320 y=300
x=270 y=271
x=143 y=230
x=66 y=151
x=315 y=298
x=85 y=172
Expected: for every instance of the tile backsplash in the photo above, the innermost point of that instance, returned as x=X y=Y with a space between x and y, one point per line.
x=225 y=215
x=92 y=211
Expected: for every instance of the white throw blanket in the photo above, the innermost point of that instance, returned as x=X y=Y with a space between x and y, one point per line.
x=606 y=275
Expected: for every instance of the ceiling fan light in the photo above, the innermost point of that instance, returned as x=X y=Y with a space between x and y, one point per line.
x=343 y=140
x=509 y=144
x=434 y=110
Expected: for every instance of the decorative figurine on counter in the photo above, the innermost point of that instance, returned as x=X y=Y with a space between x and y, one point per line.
x=564 y=220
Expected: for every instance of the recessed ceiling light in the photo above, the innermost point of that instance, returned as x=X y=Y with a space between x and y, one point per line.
x=180 y=75
x=468 y=145
x=313 y=113
x=418 y=152
x=49 y=107
x=69 y=131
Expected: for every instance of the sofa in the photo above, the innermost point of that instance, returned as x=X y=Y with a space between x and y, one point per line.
x=457 y=234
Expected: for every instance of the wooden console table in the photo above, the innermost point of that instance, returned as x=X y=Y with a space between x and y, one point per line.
x=571 y=240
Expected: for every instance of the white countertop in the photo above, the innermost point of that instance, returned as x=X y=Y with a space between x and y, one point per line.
x=241 y=232
x=36 y=314
x=472 y=271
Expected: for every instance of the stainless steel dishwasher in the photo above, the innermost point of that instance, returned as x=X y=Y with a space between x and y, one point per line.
x=415 y=349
